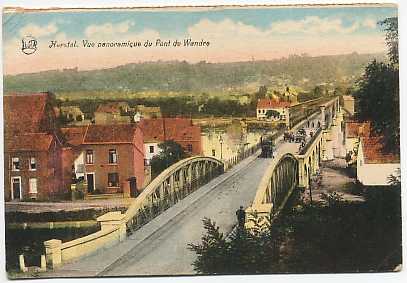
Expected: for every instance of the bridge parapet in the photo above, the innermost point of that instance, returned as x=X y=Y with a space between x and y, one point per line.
x=309 y=158
x=280 y=179
x=172 y=185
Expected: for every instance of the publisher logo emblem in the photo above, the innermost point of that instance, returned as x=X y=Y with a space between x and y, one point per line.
x=28 y=45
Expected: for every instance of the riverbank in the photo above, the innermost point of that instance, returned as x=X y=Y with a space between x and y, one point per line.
x=68 y=206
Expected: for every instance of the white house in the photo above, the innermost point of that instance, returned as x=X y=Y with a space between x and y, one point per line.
x=374 y=167
x=264 y=105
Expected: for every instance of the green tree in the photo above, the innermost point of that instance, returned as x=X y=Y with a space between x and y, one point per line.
x=171 y=152
x=318 y=91
x=331 y=235
x=390 y=26
x=272 y=113
x=378 y=92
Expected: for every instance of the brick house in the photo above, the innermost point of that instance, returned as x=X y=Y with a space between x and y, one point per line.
x=33 y=149
x=180 y=130
x=112 y=155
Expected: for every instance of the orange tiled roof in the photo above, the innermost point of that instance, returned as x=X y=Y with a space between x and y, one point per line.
x=357 y=129
x=272 y=103
x=121 y=133
x=23 y=112
x=29 y=142
x=74 y=135
x=177 y=129
x=373 y=151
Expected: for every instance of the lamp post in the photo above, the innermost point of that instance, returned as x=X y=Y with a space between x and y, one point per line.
x=221 y=146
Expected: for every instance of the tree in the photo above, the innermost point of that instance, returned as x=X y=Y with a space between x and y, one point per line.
x=318 y=91
x=171 y=152
x=378 y=92
x=390 y=26
x=272 y=113
x=332 y=235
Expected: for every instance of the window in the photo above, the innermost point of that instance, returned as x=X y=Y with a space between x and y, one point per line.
x=15 y=161
x=151 y=148
x=213 y=152
x=112 y=156
x=259 y=111
x=112 y=179
x=89 y=156
x=33 y=164
x=33 y=186
x=189 y=147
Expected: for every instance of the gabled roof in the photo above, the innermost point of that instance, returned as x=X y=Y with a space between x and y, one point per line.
x=373 y=152
x=162 y=129
x=181 y=129
x=29 y=142
x=23 y=112
x=113 y=134
x=272 y=103
x=153 y=130
x=357 y=129
x=74 y=135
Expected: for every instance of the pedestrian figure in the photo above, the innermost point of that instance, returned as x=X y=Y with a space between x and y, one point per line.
x=241 y=217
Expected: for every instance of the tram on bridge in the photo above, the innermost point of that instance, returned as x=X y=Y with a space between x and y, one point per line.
x=267 y=146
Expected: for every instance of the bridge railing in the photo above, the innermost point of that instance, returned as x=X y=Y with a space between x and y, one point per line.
x=304 y=149
x=172 y=185
x=241 y=156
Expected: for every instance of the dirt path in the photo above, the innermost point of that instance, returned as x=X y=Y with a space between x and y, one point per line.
x=335 y=178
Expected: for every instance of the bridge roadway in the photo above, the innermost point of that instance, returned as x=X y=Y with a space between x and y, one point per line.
x=166 y=252
x=160 y=246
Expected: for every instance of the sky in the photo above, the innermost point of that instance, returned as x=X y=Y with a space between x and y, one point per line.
x=234 y=34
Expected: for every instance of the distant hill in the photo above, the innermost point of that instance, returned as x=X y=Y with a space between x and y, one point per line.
x=303 y=72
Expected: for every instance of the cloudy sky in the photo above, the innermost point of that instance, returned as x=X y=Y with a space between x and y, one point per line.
x=235 y=34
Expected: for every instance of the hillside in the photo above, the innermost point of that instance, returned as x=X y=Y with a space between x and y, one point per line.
x=303 y=72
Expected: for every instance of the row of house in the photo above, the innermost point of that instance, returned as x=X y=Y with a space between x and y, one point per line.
x=118 y=112
x=42 y=161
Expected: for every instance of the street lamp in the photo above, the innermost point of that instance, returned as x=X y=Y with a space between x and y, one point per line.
x=221 y=144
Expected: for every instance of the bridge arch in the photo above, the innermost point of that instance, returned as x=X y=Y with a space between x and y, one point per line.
x=172 y=185
x=276 y=185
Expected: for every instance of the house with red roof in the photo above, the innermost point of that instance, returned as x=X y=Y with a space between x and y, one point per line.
x=278 y=108
x=33 y=153
x=180 y=130
x=353 y=132
x=374 y=164
x=112 y=157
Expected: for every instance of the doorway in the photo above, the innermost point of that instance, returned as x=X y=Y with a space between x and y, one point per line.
x=16 y=188
x=90 y=178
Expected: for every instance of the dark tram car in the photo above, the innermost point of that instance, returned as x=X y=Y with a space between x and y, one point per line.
x=267 y=147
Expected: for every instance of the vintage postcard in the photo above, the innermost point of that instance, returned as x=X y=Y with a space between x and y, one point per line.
x=201 y=140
